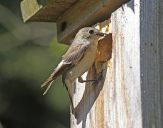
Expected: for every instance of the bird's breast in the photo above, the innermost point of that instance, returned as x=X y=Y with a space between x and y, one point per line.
x=84 y=64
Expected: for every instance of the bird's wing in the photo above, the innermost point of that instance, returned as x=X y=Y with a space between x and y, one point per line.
x=74 y=54
x=62 y=66
x=69 y=59
x=57 y=71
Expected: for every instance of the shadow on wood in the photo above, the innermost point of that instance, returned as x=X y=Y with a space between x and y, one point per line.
x=90 y=95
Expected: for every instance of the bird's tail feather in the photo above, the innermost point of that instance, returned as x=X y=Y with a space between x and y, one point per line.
x=58 y=71
x=48 y=87
x=48 y=83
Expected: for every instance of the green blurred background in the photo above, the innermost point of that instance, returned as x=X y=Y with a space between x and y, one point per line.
x=28 y=54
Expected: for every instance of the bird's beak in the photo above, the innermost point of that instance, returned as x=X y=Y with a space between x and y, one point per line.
x=101 y=34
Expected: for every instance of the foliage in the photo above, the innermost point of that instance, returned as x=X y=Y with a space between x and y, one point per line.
x=28 y=54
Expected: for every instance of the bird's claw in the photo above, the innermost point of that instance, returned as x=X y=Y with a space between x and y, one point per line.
x=99 y=78
x=80 y=79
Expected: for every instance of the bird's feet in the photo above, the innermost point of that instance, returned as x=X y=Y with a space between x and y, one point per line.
x=80 y=79
x=99 y=77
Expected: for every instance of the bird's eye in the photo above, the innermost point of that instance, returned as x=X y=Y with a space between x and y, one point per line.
x=91 y=31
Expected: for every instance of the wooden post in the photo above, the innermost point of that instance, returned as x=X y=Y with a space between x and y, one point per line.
x=130 y=95
x=160 y=45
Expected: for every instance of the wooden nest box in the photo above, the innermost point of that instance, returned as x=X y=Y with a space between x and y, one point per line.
x=69 y=15
x=130 y=93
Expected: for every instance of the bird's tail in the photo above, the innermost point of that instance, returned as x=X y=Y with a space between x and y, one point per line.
x=58 y=71
x=47 y=84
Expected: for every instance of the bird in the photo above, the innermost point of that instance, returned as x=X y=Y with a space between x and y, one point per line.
x=78 y=59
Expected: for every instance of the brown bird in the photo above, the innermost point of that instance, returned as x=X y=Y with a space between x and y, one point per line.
x=78 y=58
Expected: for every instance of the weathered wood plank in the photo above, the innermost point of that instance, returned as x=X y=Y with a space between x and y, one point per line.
x=123 y=86
x=84 y=13
x=135 y=100
x=44 y=10
x=150 y=62
x=161 y=55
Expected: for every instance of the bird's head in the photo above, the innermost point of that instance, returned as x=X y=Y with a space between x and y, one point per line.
x=90 y=33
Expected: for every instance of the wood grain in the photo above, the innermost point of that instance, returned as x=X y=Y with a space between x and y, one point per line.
x=150 y=41
x=160 y=34
x=124 y=84
x=135 y=101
